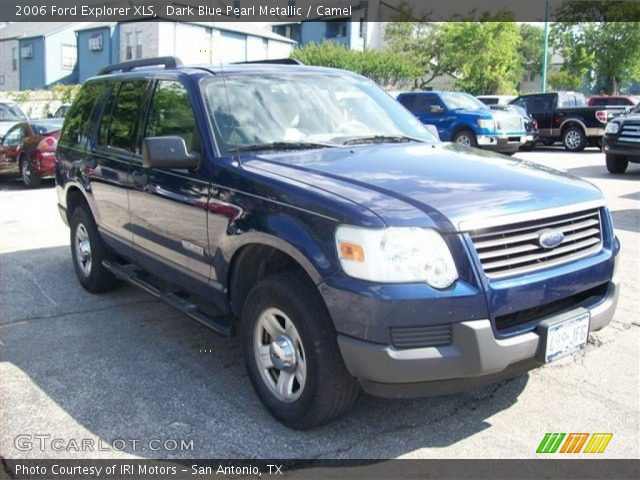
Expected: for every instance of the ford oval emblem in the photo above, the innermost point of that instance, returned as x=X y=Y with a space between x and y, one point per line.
x=550 y=238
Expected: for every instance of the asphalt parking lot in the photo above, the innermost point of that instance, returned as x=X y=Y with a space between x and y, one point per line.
x=122 y=367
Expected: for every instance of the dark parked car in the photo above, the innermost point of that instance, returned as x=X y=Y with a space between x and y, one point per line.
x=29 y=148
x=622 y=141
x=565 y=116
x=349 y=251
x=530 y=124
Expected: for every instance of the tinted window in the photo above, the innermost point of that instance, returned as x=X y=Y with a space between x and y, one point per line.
x=425 y=102
x=77 y=125
x=106 y=115
x=407 y=101
x=124 y=116
x=539 y=103
x=489 y=100
x=171 y=114
x=610 y=101
x=46 y=126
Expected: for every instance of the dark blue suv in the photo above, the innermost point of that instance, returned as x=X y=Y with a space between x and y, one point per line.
x=349 y=248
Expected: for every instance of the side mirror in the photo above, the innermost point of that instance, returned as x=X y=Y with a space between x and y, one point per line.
x=168 y=152
x=437 y=109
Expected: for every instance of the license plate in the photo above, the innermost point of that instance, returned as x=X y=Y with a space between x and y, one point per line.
x=529 y=138
x=566 y=337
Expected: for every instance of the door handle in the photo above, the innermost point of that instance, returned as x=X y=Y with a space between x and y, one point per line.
x=140 y=179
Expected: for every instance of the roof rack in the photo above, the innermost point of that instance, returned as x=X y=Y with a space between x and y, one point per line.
x=167 y=62
x=276 y=61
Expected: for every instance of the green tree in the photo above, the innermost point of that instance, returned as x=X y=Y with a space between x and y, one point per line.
x=530 y=48
x=381 y=66
x=483 y=56
x=601 y=54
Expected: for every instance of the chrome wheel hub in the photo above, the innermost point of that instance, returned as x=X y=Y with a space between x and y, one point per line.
x=464 y=141
x=280 y=355
x=83 y=250
x=572 y=139
x=26 y=172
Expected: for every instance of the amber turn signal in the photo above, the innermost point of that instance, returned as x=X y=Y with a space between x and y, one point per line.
x=351 y=251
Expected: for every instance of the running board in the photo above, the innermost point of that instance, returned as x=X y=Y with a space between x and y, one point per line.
x=130 y=275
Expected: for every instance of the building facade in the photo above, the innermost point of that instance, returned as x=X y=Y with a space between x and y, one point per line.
x=39 y=55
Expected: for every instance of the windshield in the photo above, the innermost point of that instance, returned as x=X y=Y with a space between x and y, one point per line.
x=305 y=108
x=11 y=113
x=461 y=101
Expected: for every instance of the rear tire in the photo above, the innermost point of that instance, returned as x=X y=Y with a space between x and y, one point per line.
x=616 y=163
x=30 y=178
x=465 y=138
x=292 y=355
x=574 y=139
x=88 y=251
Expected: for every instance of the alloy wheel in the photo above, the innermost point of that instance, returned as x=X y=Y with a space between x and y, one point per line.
x=280 y=355
x=83 y=250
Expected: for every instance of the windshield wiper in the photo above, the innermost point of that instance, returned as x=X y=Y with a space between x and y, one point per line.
x=381 y=139
x=281 y=146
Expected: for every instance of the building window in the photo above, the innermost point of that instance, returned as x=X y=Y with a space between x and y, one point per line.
x=14 y=59
x=95 y=42
x=138 y=44
x=336 y=29
x=69 y=56
x=129 y=45
x=27 y=50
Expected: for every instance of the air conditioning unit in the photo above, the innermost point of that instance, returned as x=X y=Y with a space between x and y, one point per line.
x=27 y=50
x=95 y=42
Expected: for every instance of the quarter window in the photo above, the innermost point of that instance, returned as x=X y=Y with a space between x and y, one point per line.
x=171 y=114
x=78 y=126
x=124 y=116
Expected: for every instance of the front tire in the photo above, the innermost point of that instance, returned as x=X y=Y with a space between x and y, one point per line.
x=616 y=163
x=574 y=139
x=88 y=252
x=465 y=138
x=30 y=178
x=291 y=353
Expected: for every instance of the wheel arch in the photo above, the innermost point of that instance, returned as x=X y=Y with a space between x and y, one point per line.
x=572 y=122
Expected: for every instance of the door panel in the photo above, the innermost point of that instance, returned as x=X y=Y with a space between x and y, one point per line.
x=108 y=166
x=169 y=206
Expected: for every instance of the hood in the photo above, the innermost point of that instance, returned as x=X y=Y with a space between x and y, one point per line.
x=428 y=185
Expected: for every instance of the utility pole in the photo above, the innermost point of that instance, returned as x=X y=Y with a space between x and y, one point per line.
x=545 y=47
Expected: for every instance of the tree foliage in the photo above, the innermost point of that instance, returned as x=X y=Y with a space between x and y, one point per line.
x=600 y=54
x=381 y=66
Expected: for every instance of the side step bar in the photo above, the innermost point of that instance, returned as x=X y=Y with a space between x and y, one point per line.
x=133 y=277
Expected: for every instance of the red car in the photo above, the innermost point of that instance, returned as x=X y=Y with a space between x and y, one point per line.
x=617 y=100
x=29 y=149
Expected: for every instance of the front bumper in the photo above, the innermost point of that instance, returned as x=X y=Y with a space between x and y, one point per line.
x=612 y=146
x=502 y=143
x=474 y=357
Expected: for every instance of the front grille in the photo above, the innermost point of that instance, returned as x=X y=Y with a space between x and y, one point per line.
x=420 y=337
x=630 y=133
x=515 y=249
x=509 y=124
x=532 y=316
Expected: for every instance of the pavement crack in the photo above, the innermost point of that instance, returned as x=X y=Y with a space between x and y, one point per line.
x=75 y=312
x=33 y=280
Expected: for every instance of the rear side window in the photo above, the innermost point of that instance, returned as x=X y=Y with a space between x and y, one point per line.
x=425 y=102
x=407 y=101
x=78 y=127
x=171 y=114
x=121 y=133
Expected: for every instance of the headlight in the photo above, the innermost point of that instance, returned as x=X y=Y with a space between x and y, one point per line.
x=396 y=255
x=612 y=127
x=488 y=124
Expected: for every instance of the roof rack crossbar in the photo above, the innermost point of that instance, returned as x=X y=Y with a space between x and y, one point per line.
x=277 y=61
x=167 y=62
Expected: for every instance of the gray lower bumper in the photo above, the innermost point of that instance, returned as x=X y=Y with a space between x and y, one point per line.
x=474 y=356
